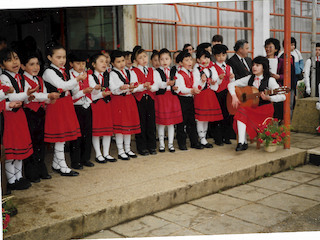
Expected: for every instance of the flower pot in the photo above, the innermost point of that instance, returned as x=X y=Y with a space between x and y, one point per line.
x=271 y=147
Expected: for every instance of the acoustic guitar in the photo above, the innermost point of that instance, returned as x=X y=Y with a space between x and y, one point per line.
x=249 y=96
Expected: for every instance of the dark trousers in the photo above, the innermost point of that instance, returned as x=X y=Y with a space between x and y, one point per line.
x=34 y=166
x=80 y=149
x=222 y=130
x=146 y=140
x=188 y=126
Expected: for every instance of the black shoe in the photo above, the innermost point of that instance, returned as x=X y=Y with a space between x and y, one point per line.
x=77 y=166
x=162 y=149
x=227 y=141
x=208 y=145
x=124 y=157
x=100 y=161
x=183 y=148
x=144 y=152
x=46 y=177
x=219 y=143
x=241 y=147
x=171 y=149
x=152 y=151
x=22 y=184
x=35 y=180
x=110 y=158
x=70 y=174
x=88 y=164
x=197 y=146
x=131 y=154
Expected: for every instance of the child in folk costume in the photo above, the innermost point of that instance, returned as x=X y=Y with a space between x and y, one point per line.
x=155 y=59
x=102 y=124
x=146 y=140
x=107 y=54
x=222 y=129
x=124 y=108
x=127 y=58
x=167 y=105
x=34 y=166
x=80 y=149
x=16 y=136
x=186 y=90
x=207 y=108
x=247 y=119
x=61 y=123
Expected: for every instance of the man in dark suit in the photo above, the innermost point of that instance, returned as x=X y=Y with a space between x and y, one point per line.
x=240 y=62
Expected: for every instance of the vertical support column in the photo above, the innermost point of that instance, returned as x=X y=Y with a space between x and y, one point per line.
x=129 y=27
x=261 y=25
x=313 y=49
x=287 y=64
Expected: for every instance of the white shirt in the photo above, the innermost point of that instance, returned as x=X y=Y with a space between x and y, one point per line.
x=22 y=96
x=180 y=83
x=223 y=67
x=243 y=82
x=115 y=82
x=158 y=83
x=141 y=88
x=84 y=101
x=95 y=94
x=51 y=77
x=39 y=96
x=214 y=77
x=307 y=72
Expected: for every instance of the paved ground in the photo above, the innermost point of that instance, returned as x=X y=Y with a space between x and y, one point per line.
x=287 y=201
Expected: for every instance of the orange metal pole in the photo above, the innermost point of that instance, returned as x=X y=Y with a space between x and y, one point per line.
x=137 y=37
x=287 y=64
x=218 y=19
x=252 y=32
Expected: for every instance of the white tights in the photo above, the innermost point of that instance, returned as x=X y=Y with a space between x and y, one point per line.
x=59 y=161
x=202 y=128
x=170 y=135
x=13 y=170
x=241 y=132
x=123 y=140
x=106 y=140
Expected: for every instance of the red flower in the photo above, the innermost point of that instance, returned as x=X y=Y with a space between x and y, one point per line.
x=276 y=119
x=274 y=135
x=281 y=129
x=274 y=141
x=199 y=87
x=89 y=72
x=174 y=78
x=136 y=84
x=267 y=133
x=60 y=90
x=283 y=134
x=279 y=139
x=260 y=140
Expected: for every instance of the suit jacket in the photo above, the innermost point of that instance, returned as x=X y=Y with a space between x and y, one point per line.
x=238 y=67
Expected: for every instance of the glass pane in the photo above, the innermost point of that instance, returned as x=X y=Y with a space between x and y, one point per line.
x=164 y=36
x=159 y=11
x=206 y=34
x=235 y=19
x=276 y=22
x=187 y=35
x=145 y=35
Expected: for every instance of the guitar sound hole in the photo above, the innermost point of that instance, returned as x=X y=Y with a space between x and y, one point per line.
x=243 y=97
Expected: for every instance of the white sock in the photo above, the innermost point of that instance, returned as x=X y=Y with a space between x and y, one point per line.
x=201 y=133
x=9 y=166
x=59 y=161
x=96 y=147
x=241 y=132
x=170 y=135
x=127 y=142
x=161 y=135
x=119 y=142
x=106 y=140
x=18 y=169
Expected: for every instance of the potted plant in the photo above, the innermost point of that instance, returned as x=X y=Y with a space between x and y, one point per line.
x=272 y=134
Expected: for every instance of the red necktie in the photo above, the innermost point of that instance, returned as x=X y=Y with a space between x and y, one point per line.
x=256 y=82
x=18 y=79
x=318 y=59
x=127 y=80
x=65 y=77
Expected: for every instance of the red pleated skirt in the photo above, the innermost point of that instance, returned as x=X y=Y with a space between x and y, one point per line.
x=102 y=120
x=207 y=107
x=16 y=136
x=252 y=117
x=167 y=109
x=125 y=114
x=61 y=122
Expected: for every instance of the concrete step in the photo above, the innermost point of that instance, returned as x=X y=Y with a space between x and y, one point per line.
x=112 y=193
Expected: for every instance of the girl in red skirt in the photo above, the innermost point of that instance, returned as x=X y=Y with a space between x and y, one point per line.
x=124 y=108
x=247 y=119
x=207 y=107
x=102 y=124
x=16 y=136
x=61 y=123
x=167 y=105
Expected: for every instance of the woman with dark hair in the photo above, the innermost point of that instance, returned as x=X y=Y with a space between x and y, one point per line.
x=247 y=119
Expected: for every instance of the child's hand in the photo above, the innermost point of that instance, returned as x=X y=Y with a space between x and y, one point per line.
x=221 y=76
x=15 y=104
x=30 y=91
x=106 y=93
x=133 y=86
x=31 y=98
x=195 y=91
x=231 y=76
x=171 y=83
x=124 y=87
x=213 y=82
x=11 y=90
x=175 y=88
x=97 y=87
x=275 y=76
x=146 y=85
x=87 y=90
x=53 y=96
x=81 y=77
x=235 y=101
x=265 y=97
x=203 y=78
